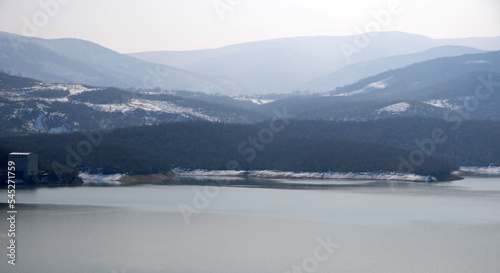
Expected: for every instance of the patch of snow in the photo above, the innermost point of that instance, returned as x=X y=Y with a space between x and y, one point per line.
x=41 y=106
x=17 y=97
x=51 y=100
x=155 y=93
x=38 y=123
x=307 y=175
x=111 y=107
x=254 y=100
x=151 y=105
x=481 y=170
x=372 y=86
x=58 y=114
x=72 y=88
x=441 y=104
x=477 y=62
x=29 y=126
x=168 y=107
x=396 y=108
x=226 y=173
x=378 y=85
x=99 y=179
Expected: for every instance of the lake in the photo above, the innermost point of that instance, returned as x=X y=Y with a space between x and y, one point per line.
x=325 y=226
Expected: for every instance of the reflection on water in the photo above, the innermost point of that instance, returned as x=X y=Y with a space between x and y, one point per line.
x=381 y=227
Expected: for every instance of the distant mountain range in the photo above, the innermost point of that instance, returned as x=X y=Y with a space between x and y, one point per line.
x=81 y=62
x=284 y=65
x=316 y=64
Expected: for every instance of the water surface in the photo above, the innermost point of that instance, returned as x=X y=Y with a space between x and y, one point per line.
x=380 y=226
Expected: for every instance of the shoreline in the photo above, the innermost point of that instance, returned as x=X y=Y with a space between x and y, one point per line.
x=123 y=179
x=266 y=174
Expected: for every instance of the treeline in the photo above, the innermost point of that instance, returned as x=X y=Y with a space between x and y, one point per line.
x=104 y=96
x=9 y=82
x=218 y=146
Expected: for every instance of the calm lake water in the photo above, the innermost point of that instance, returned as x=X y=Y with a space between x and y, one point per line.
x=375 y=227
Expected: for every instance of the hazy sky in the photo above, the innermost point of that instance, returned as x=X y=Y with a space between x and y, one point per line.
x=145 y=25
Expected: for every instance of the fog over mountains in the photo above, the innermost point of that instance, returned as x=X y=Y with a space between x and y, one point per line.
x=316 y=64
x=302 y=63
x=82 y=62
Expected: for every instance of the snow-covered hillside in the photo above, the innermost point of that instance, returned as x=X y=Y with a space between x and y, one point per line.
x=63 y=108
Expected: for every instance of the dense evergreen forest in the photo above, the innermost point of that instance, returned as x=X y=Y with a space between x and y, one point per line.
x=298 y=146
x=467 y=142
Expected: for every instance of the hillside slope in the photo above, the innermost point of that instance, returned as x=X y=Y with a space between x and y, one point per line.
x=29 y=106
x=356 y=72
x=429 y=89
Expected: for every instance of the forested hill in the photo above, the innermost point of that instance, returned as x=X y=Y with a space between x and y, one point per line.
x=468 y=142
x=217 y=146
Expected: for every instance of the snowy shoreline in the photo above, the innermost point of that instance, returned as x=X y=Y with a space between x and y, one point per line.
x=101 y=179
x=117 y=179
x=121 y=179
x=307 y=175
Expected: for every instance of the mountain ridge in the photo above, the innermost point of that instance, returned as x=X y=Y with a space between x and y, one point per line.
x=308 y=58
x=84 y=62
x=260 y=67
x=359 y=71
